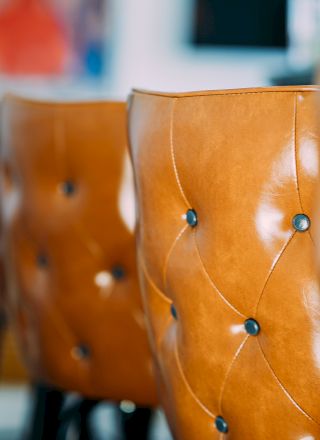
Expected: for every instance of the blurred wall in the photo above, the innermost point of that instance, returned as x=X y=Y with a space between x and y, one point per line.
x=151 y=50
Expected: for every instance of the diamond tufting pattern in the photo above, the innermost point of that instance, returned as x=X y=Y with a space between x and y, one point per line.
x=73 y=290
x=240 y=358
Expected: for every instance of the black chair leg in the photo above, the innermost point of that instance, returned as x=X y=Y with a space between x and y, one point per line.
x=78 y=417
x=50 y=422
x=136 y=424
x=47 y=404
x=85 y=427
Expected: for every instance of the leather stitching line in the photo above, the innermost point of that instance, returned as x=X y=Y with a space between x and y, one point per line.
x=286 y=392
x=295 y=150
x=269 y=92
x=184 y=379
x=165 y=266
x=159 y=340
x=235 y=357
x=160 y=337
x=59 y=137
x=273 y=267
x=212 y=283
x=175 y=169
x=150 y=280
x=296 y=158
x=60 y=324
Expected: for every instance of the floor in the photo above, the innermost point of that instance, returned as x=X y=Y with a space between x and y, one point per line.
x=15 y=401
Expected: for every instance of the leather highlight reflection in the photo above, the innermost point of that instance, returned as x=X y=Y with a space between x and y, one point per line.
x=70 y=248
x=243 y=279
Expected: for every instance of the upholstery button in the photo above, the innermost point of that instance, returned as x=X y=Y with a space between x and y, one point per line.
x=81 y=351
x=301 y=222
x=191 y=217
x=252 y=327
x=173 y=311
x=68 y=188
x=42 y=261
x=221 y=425
x=118 y=272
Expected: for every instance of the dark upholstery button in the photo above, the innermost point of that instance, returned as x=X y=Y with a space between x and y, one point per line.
x=118 y=272
x=42 y=261
x=173 y=311
x=81 y=351
x=252 y=327
x=301 y=222
x=221 y=425
x=191 y=217
x=68 y=188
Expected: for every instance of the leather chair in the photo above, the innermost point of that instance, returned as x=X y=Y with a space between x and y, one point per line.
x=12 y=370
x=68 y=221
x=225 y=183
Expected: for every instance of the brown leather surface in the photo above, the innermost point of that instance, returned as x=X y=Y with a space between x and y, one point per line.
x=70 y=257
x=247 y=162
x=12 y=370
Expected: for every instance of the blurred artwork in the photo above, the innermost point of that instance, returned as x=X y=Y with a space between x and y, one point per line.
x=31 y=40
x=52 y=37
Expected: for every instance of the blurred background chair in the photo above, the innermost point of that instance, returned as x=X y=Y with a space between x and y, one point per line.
x=72 y=290
x=231 y=291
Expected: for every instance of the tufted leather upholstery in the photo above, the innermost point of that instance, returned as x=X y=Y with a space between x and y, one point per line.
x=246 y=162
x=11 y=367
x=72 y=282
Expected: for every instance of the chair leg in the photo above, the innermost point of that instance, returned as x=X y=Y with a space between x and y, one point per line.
x=77 y=417
x=47 y=404
x=136 y=424
x=85 y=427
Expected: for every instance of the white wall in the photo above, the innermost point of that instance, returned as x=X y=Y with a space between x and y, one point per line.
x=149 y=52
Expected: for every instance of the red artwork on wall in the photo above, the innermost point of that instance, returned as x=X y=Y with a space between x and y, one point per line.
x=31 y=39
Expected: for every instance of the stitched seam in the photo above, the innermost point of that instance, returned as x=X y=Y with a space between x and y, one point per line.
x=212 y=283
x=175 y=169
x=286 y=392
x=25 y=101
x=165 y=266
x=160 y=338
x=92 y=246
x=149 y=279
x=59 y=133
x=235 y=357
x=295 y=150
x=224 y=94
x=60 y=324
x=273 y=267
x=185 y=381
x=296 y=158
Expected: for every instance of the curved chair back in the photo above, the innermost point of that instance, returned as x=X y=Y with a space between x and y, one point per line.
x=225 y=186
x=68 y=221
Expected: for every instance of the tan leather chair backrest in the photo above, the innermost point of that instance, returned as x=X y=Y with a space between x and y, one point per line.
x=70 y=259
x=225 y=185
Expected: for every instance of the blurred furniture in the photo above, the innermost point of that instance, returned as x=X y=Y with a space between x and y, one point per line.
x=11 y=371
x=225 y=183
x=72 y=288
x=291 y=77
